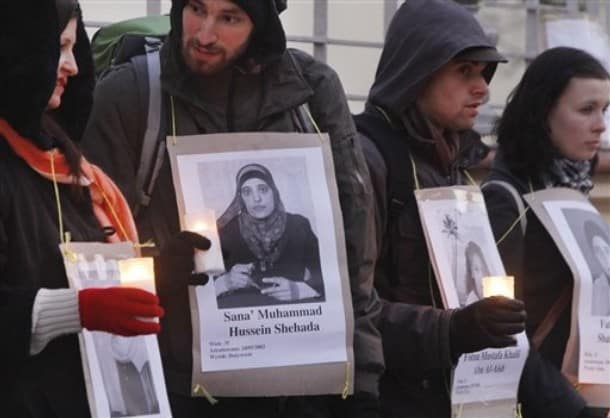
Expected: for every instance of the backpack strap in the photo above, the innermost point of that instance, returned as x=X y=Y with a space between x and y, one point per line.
x=400 y=180
x=301 y=115
x=395 y=151
x=551 y=318
x=151 y=154
x=517 y=199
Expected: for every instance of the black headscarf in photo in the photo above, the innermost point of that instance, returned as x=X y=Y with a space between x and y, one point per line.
x=264 y=237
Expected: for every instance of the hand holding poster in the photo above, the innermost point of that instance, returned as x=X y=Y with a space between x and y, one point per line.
x=463 y=250
x=583 y=237
x=285 y=288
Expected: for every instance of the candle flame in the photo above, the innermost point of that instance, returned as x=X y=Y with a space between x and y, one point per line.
x=136 y=270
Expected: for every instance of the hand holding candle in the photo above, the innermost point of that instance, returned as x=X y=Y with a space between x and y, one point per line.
x=204 y=223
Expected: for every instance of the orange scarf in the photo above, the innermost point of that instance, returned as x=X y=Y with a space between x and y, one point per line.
x=109 y=205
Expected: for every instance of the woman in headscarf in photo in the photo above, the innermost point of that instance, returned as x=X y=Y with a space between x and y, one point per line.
x=476 y=269
x=271 y=256
x=46 y=187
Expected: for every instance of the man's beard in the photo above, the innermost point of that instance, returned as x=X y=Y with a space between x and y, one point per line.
x=203 y=68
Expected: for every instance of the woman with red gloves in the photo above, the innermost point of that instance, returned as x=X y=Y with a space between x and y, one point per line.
x=46 y=84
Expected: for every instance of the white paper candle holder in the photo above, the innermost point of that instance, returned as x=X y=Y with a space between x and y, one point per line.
x=204 y=222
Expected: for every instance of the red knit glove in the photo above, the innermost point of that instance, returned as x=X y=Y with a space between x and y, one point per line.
x=116 y=310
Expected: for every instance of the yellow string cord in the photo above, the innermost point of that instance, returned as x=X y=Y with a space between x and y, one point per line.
x=518 y=412
x=200 y=389
x=64 y=237
x=171 y=100
x=113 y=213
x=57 y=200
x=148 y=244
x=469 y=177
x=313 y=122
x=518 y=220
x=512 y=226
x=460 y=410
x=414 y=168
x=345 y=391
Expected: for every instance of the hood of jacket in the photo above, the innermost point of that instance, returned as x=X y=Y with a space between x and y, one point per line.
x=30 y=45
x=268 y=41
x=423 y=36
x=29 y=42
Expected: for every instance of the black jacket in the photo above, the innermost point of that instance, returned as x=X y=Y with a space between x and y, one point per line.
x=541 y=274
x=415 y=333
x=49 y=384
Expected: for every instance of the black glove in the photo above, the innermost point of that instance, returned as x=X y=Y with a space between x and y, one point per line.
x=174 y=266
x=594 y=413
x=173 y=273
x=487 y=323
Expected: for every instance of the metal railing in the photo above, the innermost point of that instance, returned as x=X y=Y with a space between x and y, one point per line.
x=320 y=39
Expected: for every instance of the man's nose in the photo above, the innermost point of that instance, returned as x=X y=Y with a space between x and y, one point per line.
x=600 y=123
x=207 y=32
x=480 y=87
x=70 y=65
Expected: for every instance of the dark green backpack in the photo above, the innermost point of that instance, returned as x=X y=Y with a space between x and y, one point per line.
x=119 y=42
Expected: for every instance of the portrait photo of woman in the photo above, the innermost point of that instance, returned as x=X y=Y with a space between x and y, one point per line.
x=476 y=269
x=271 y=256
x=598 y=244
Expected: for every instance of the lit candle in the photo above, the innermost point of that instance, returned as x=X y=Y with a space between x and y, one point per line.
x=499 y=286
x=204 y=222
x=138 y=272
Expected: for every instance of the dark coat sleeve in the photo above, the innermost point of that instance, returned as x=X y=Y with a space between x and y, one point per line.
x=543 y=390
x=16 y=316
x=330 y=111
x=415 y=337
x=114 y=133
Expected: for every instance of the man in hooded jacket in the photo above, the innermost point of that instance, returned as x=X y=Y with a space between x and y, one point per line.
x=226 y=66
x=432 y=76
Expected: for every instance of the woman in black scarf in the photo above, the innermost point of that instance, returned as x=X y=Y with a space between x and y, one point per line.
x=548 y=136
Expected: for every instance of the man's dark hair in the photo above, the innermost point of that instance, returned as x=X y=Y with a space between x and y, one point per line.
x=523 y=131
